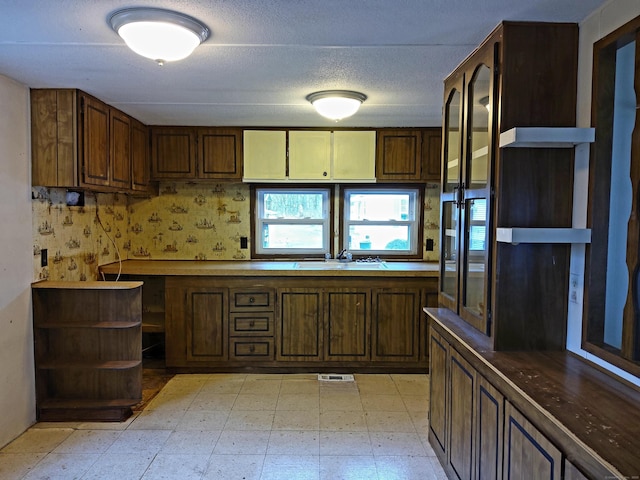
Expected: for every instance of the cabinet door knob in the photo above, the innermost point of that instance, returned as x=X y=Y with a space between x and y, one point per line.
x=252 y=300
x=324 y=174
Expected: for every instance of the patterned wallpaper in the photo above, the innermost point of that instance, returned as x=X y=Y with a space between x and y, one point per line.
x=191 y=222
x=186 y=221
x=77 y=239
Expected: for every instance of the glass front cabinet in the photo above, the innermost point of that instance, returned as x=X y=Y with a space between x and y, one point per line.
x=466 y=191
x=515 y=291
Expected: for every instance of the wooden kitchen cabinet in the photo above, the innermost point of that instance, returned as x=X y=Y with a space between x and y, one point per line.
x=396 y=315
x=527 y=452
x=309 y=155
x=438 y=392
x=347 y=324
x=219 y=153
x=77 y=141
x=140 y=158
x=206 y=323
x=87 y=346
x=173 y=153
x=408 y=155
x=489 y=424
x=251 y=324
x=300 y=323
x=190 y=153
x=495 y=286
x=461 y=405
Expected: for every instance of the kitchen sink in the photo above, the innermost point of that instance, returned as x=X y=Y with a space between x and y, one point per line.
x=333 y=265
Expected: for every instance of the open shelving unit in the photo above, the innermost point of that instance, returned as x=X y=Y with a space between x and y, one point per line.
x=88 y=350
x=544 y=137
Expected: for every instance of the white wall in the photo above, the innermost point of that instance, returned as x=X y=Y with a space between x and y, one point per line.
x=17 y=390
x=603 y=21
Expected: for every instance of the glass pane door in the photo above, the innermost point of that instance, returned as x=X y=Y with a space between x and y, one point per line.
x=475 y=255
x=479 y=106
x=449 y=251
x=452 y=142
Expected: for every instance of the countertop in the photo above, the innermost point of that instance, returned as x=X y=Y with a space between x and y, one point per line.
x=257 y=268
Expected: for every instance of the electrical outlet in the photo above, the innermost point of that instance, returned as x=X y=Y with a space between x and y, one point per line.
x=429 y=245
x=44 y=259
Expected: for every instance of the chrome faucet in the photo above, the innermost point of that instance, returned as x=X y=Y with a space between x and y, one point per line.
x=344 y=255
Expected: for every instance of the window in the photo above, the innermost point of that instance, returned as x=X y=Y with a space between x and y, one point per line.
x=292 y=221
x=382 y=221
x=612 y=275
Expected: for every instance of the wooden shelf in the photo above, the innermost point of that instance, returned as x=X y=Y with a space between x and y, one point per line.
x=543 y=235
x=97 y=325
x=546 y=137
x=89 y=365
x=153 y=322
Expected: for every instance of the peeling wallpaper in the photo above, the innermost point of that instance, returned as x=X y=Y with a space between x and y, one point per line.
x=186 y=221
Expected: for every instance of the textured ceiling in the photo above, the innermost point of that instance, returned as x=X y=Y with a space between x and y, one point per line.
x=265 y=56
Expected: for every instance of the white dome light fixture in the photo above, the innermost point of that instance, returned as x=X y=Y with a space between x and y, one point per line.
x=158 y=34
x=336 y=104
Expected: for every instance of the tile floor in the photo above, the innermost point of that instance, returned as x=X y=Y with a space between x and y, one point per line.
x=245 y=427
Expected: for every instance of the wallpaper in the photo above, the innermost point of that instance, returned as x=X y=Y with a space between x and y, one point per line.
x=78 y=238
x=186 y=221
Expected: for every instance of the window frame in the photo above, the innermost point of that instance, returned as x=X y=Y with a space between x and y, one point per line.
x=418 y=220
x=256 y=231
x=596 y=261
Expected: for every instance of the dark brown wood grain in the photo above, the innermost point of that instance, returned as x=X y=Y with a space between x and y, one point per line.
x=220 y=153
x=173 y=152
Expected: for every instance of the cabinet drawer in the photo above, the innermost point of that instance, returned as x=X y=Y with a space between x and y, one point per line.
x=259 y=323
x=243 y=300
x=251 y=349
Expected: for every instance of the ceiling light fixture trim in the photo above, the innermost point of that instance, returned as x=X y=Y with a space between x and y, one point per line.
x=336 y=104
x=159 y=34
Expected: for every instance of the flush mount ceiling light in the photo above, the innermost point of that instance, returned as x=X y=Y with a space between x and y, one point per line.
x=336 y=104
x=158 y=34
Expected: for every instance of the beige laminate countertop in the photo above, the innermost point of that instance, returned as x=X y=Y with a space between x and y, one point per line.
x=256 y=268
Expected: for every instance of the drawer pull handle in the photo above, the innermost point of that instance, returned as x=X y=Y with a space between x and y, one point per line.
x=252 y=323
x=252 y=300
x=252 y=348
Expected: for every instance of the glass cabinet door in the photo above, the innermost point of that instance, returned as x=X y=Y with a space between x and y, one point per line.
x=476 y=177
x=452 y=168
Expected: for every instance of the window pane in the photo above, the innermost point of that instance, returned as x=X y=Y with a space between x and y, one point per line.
x=293 y=205
x=288 y=236
x=379 y=237
x=380 y=206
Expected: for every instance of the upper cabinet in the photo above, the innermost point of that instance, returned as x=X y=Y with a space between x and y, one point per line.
x=188 y=153
x=80 y=142
x=265 y=155
x=523 y=75
x=408 y=155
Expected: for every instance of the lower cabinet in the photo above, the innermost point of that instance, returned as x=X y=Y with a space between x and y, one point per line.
x=299 y=331
x=477 y=433
x=527 y=453
x=206 y=323
x=396 y=313
x=223 y=322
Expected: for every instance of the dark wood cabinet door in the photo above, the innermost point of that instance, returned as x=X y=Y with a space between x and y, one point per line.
x=489 y=429
x=140 y=161
x=395 y=322
x=173 y=153
x=347 y=314
x=399 y=155
x=220 y=153
x=299 y=331
x=527 y=452
x=431 y=157
x=120 y=149
x=95 y=141
x=438 y=353
x=461 y=416
x=206 y=320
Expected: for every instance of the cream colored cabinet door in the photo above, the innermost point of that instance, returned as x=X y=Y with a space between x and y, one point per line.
x=265 y=155
x=309 y=155
x=354 y=155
